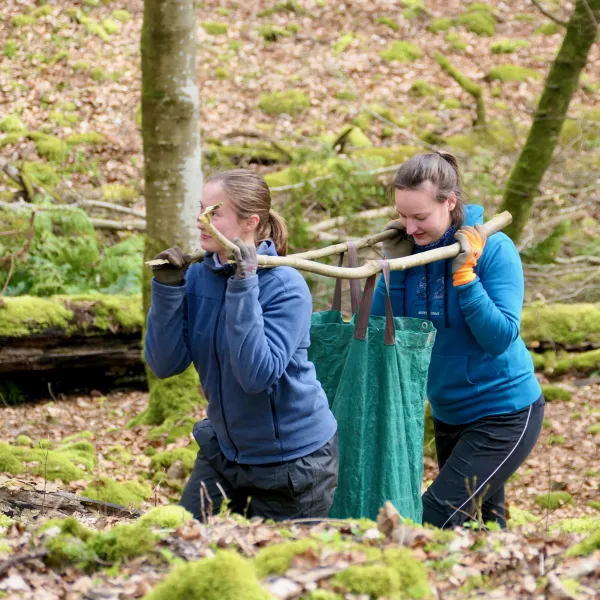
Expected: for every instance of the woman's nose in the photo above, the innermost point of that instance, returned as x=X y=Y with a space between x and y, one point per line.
x=411 y=227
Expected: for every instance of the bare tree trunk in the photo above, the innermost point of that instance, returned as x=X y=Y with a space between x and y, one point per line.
x=561 y=84
x=172 y=155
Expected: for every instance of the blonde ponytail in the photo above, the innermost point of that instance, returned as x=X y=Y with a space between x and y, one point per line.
x=278 y=233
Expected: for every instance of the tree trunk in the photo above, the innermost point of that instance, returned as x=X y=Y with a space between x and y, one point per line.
x=560 y=86
x=171 y=136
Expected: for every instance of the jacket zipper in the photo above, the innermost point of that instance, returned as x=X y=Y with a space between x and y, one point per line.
x=220 y=378
x=274 y=415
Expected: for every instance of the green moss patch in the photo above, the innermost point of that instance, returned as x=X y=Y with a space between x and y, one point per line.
x=11 y=124
x=123 y=16
x=553 y=500
x=174 y=397
x=512 y=73
x=127 y=493
x=342 y=44
x=440 y=24
x=578 y=525
x=548 y=28
x=402 y=52
x=479 y=21
x=561 y=324
x=164 y=460
x=213 y=28
x=553 y=393
x=290 y=102
x=91 y=138
x=167 y=517
x=276 y=559
x=388 y=22
x=227 y=576
x=587 y=546
x=507 y=46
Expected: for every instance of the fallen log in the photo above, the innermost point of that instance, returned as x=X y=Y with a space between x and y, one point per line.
x=95 y=342
x=17 y=496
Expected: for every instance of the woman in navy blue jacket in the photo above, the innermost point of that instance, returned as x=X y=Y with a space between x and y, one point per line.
x=270 y=440
x=486 y=401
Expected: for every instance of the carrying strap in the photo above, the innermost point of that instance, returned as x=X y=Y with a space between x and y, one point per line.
x=364 y=312
x=336 y=303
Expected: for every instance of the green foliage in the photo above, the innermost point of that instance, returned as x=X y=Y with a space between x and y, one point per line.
x=594 y=429
x=553 y=500
x=512 y=73
x=11 y=124
x=402 y=52
x=548 y=28
x=553 y=392
x=51 y=147
x=546 y=251
x=412 y=574
x=345 y=95
x=389 y=22
x=128 y=493
x=213 y=28
x=227 y=576
x=119 y=268
x=293 y=28
x=480 y=22
x=440 y=24
x=291 y=102
x=9 y=463
x=167 y=517
x=10 y=48
x=508 y=46
x=221 y=73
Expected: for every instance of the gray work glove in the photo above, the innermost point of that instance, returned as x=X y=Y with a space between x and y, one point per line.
x=246 y=260
x=173 y=272
x=400 y=245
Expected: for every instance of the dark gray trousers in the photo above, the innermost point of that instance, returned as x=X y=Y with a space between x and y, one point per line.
x=301 y=488
x=475 y=461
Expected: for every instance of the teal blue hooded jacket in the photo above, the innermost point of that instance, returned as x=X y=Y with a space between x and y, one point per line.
x=479 y=365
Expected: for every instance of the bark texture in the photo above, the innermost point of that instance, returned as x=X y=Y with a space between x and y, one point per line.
x=560 y=86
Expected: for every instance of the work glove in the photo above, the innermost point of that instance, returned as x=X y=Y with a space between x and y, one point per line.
x=173 y=272
x=400 y=245
x=472 y=241
x=246 y=260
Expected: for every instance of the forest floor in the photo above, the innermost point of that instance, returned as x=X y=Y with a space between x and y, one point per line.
x=507 y=564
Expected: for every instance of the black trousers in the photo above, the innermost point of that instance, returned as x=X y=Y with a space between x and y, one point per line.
x=475 y=461
x=301 y=488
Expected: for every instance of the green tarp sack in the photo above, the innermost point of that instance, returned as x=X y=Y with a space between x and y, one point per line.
x=374 y=372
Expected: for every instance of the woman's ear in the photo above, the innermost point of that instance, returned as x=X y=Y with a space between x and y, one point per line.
x=452 y=201
x=252 y=222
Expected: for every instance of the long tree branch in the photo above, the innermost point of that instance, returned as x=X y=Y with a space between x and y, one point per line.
x=371 y=267
x=548 y=14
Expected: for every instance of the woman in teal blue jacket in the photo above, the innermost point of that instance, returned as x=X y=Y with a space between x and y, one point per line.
x=486 y=401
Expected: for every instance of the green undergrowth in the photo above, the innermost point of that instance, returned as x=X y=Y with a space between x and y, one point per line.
x=66 y=255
